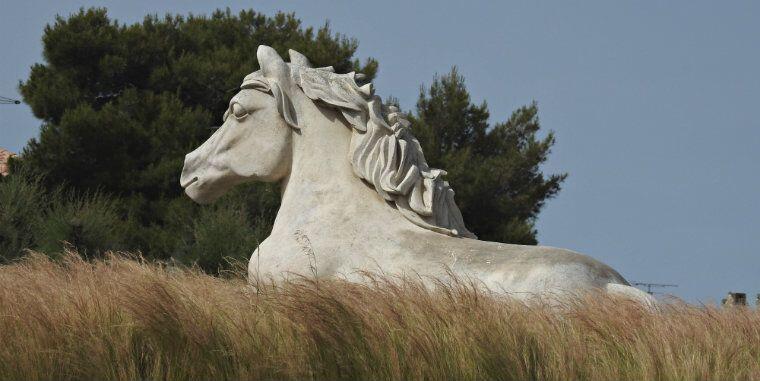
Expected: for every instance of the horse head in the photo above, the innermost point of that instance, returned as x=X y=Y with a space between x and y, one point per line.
x=254 y=141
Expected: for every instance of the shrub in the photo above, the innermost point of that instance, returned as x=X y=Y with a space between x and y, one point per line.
x=21 y=206
x=221 y=234
x=90 y=223
x=210 y=236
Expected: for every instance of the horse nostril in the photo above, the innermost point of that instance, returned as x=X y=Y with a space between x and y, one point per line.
x=186 y=184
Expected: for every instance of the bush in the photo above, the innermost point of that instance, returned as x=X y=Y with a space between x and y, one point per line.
x=210 y=236
x=21 y=203
x=90 y=223
x=32 y=218
x=222 y=234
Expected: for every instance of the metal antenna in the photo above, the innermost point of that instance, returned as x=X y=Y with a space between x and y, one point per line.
x=650 y=285
x=8 y=101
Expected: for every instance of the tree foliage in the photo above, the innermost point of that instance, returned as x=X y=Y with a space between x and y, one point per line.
x=495 y=170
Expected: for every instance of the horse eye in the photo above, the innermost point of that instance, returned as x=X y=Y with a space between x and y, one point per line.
x=239 y=111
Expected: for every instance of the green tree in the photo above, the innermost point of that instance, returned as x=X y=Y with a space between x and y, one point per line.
x=122 y=104
x=495 y=170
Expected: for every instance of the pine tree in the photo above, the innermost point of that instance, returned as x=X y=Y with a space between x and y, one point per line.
x=494 y=170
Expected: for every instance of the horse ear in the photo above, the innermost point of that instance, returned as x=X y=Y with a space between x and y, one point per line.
x=276 y=70
x=270 y=62
x=298 y=59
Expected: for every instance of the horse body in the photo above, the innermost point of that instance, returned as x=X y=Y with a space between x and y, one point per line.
x=332 y=223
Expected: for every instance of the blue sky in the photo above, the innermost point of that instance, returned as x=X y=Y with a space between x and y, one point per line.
x=654 y=105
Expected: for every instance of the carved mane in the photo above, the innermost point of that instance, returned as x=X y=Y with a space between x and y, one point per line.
x=383 y=152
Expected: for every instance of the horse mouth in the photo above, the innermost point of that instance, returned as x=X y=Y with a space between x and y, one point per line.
x=189 y=182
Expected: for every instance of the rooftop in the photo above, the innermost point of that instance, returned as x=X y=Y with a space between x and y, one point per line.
x=4 y=156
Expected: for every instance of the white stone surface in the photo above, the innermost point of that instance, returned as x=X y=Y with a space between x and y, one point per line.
x=357 y=193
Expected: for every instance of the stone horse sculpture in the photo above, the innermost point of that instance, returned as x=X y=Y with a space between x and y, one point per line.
x=357 y=192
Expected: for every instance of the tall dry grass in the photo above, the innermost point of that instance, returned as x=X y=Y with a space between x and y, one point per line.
x=123 y=318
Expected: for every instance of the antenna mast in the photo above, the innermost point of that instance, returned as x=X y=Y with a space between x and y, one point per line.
x=8 y=101
x=655 y=285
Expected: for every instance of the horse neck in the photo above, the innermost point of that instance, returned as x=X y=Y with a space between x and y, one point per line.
x=322 y=190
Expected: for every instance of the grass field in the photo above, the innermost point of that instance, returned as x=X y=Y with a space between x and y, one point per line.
x=125 y=319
